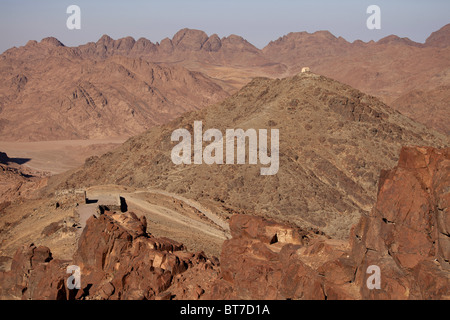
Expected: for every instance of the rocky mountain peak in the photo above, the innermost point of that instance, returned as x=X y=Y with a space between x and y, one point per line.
x=189 y=39
x=440 y=38
x=52 y=41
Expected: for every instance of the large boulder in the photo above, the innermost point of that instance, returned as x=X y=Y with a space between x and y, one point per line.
x=117 y=258
x=406 y=233
x=34 y=274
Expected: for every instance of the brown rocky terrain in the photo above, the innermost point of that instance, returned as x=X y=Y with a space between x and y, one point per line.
x=58 y=156
x=334 y=140
x=81 y=92
x=18 y=181
x=440 y=38
x=113 y=245
x=58 y=221
x=231 y=59
x=392 y=69
x=49 y=92
x=336 y=143
x=406 y=235
x=188 y=46
x=389 y=68
x=51 y=222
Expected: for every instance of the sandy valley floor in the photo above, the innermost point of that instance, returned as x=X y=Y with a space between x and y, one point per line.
x=57 y=156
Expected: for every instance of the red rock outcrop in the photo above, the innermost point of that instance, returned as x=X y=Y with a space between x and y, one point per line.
x=34 y=275
x=117 y=260
x=407 y=232
x=439 y=38
x=267 y=260
x=406 y=235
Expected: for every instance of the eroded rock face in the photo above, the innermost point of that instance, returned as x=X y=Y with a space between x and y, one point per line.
x=267 y=260
x=405 y=235
x=117 y=260
x=34 y=275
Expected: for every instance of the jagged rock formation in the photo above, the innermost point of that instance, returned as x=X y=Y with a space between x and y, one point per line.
x=187 y=47
x=406 y=235
x=393 y=69
x=118 y=260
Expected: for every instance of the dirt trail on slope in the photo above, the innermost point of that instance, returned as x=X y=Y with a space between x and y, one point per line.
x=170 y=215
x=210 y=215
x=134 y=199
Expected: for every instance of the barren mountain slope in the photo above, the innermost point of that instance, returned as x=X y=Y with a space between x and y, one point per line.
x=48 y=92
x=390 y=69
x=80 y=92
x=231 y=59
x=432 y=106
x=17 y=181
x=439 y=38
x=334 y=140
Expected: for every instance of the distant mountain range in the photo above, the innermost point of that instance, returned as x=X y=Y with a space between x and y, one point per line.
x=340 y=130
x=123 y=87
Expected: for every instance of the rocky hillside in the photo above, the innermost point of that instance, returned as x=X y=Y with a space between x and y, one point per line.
x=334 y=141
x=17 y=180
x=406 y=235
x=393 y=69
x=106 y=242
x=50 y=92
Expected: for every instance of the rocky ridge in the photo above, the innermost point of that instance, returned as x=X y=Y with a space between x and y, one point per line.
x=406 y=235
x=49 y=92
x=334 y=140
x=81 y=104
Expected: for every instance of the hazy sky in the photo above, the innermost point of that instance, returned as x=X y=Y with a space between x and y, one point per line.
x=258 y=21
